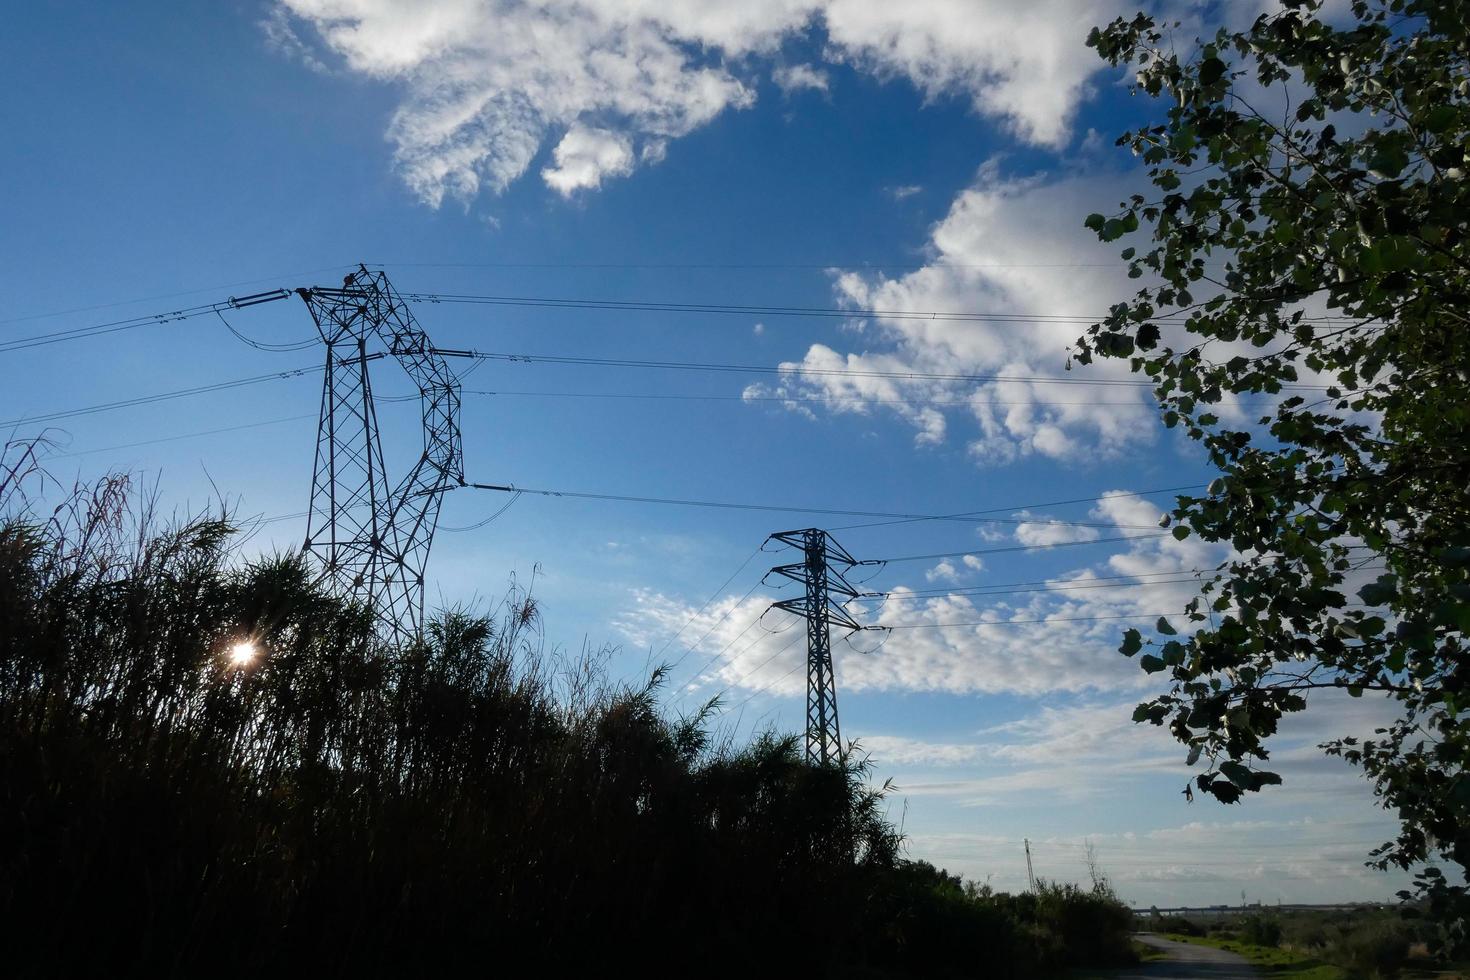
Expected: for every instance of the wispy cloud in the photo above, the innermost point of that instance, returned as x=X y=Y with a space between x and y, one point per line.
x=487 y=83
x=794 y=78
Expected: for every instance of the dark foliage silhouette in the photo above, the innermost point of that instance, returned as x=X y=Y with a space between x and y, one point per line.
x=172 y=803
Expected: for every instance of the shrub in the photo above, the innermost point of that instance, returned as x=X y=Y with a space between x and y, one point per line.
x=1176 y=924
x=342 y=806
x=1260 y=929
x=1375 y=949
x=1086 y=926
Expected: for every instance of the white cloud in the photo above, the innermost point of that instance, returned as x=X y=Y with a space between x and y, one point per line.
x=905 y=191
x=1061 y=638
x=944 y=571
x=1014 y=248
x=1302 y=841
x=487 y=82
x=793 y=78
x=1024 y=63
x=282 y=38
x=1044 y=532
x=898 y=751
x=584 y=157
x=1314 y=858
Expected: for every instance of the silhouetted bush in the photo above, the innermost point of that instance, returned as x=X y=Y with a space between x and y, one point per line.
x=1260 y=929
x=340 y=806
x=1374 y=949
x=1176 y=924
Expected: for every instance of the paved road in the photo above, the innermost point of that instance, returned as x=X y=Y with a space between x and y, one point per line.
x=1185 y=961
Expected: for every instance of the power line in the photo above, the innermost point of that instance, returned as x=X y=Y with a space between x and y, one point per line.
x=798 y=399
x=657 y=306
x=732 y=505
x=488 y=520
x=113 y=326
x=1019 y=547
x=1025 y=622
x=1188 y=575
x=261 y=345
x=1053 y=503
x=185 y=435
x=132 y=323
x=1038 y=582
x=699 y=672
x=724 y=368
x=163 y=396
x=758 y=667
x=700 y=611
x=186 y=292
x=767 y=687
x=991 y=591
x=859 y=264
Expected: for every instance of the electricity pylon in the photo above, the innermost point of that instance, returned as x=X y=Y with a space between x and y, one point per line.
x=821 y=611
x=374 y=542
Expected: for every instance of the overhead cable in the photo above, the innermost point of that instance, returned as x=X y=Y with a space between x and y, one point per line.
x=782 y=508
x=741 y=309
x=162 y=396
x=1019 y=547
x=568 y=359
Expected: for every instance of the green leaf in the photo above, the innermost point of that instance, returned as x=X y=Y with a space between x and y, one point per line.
x=1388 y=162
x=1238 y=774
x=1440 y=118
x=1150 y=663
x=1132 y=643
x=1210 y=71
x=1165 y=628
x=1381 y=591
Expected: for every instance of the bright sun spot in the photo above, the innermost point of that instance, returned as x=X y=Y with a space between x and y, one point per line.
x=242 y=653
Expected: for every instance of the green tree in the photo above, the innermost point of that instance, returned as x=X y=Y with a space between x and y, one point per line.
x=1307 y=223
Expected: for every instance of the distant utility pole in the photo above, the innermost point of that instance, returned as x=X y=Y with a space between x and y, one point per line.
x=822 y=605
x=1030 y=874
x=374 y=541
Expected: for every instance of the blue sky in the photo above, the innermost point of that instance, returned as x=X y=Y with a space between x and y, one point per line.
x=777 y=153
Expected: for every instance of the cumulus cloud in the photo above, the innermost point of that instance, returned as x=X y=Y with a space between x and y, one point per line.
x=1014 y=250
x=945 y=571
x=793 y=78
x=1061 y=637
x=584 y=157
x=486 y=83
x=1022 y=63
x=1045 y=532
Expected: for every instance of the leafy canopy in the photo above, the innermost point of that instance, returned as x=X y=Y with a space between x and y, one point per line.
x=1308 y=218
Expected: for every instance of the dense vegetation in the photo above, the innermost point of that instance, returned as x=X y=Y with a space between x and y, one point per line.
x=335 y=804
x=1308 y=224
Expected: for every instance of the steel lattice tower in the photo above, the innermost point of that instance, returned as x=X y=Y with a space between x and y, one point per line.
x=820 y=610
x=374 y=542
